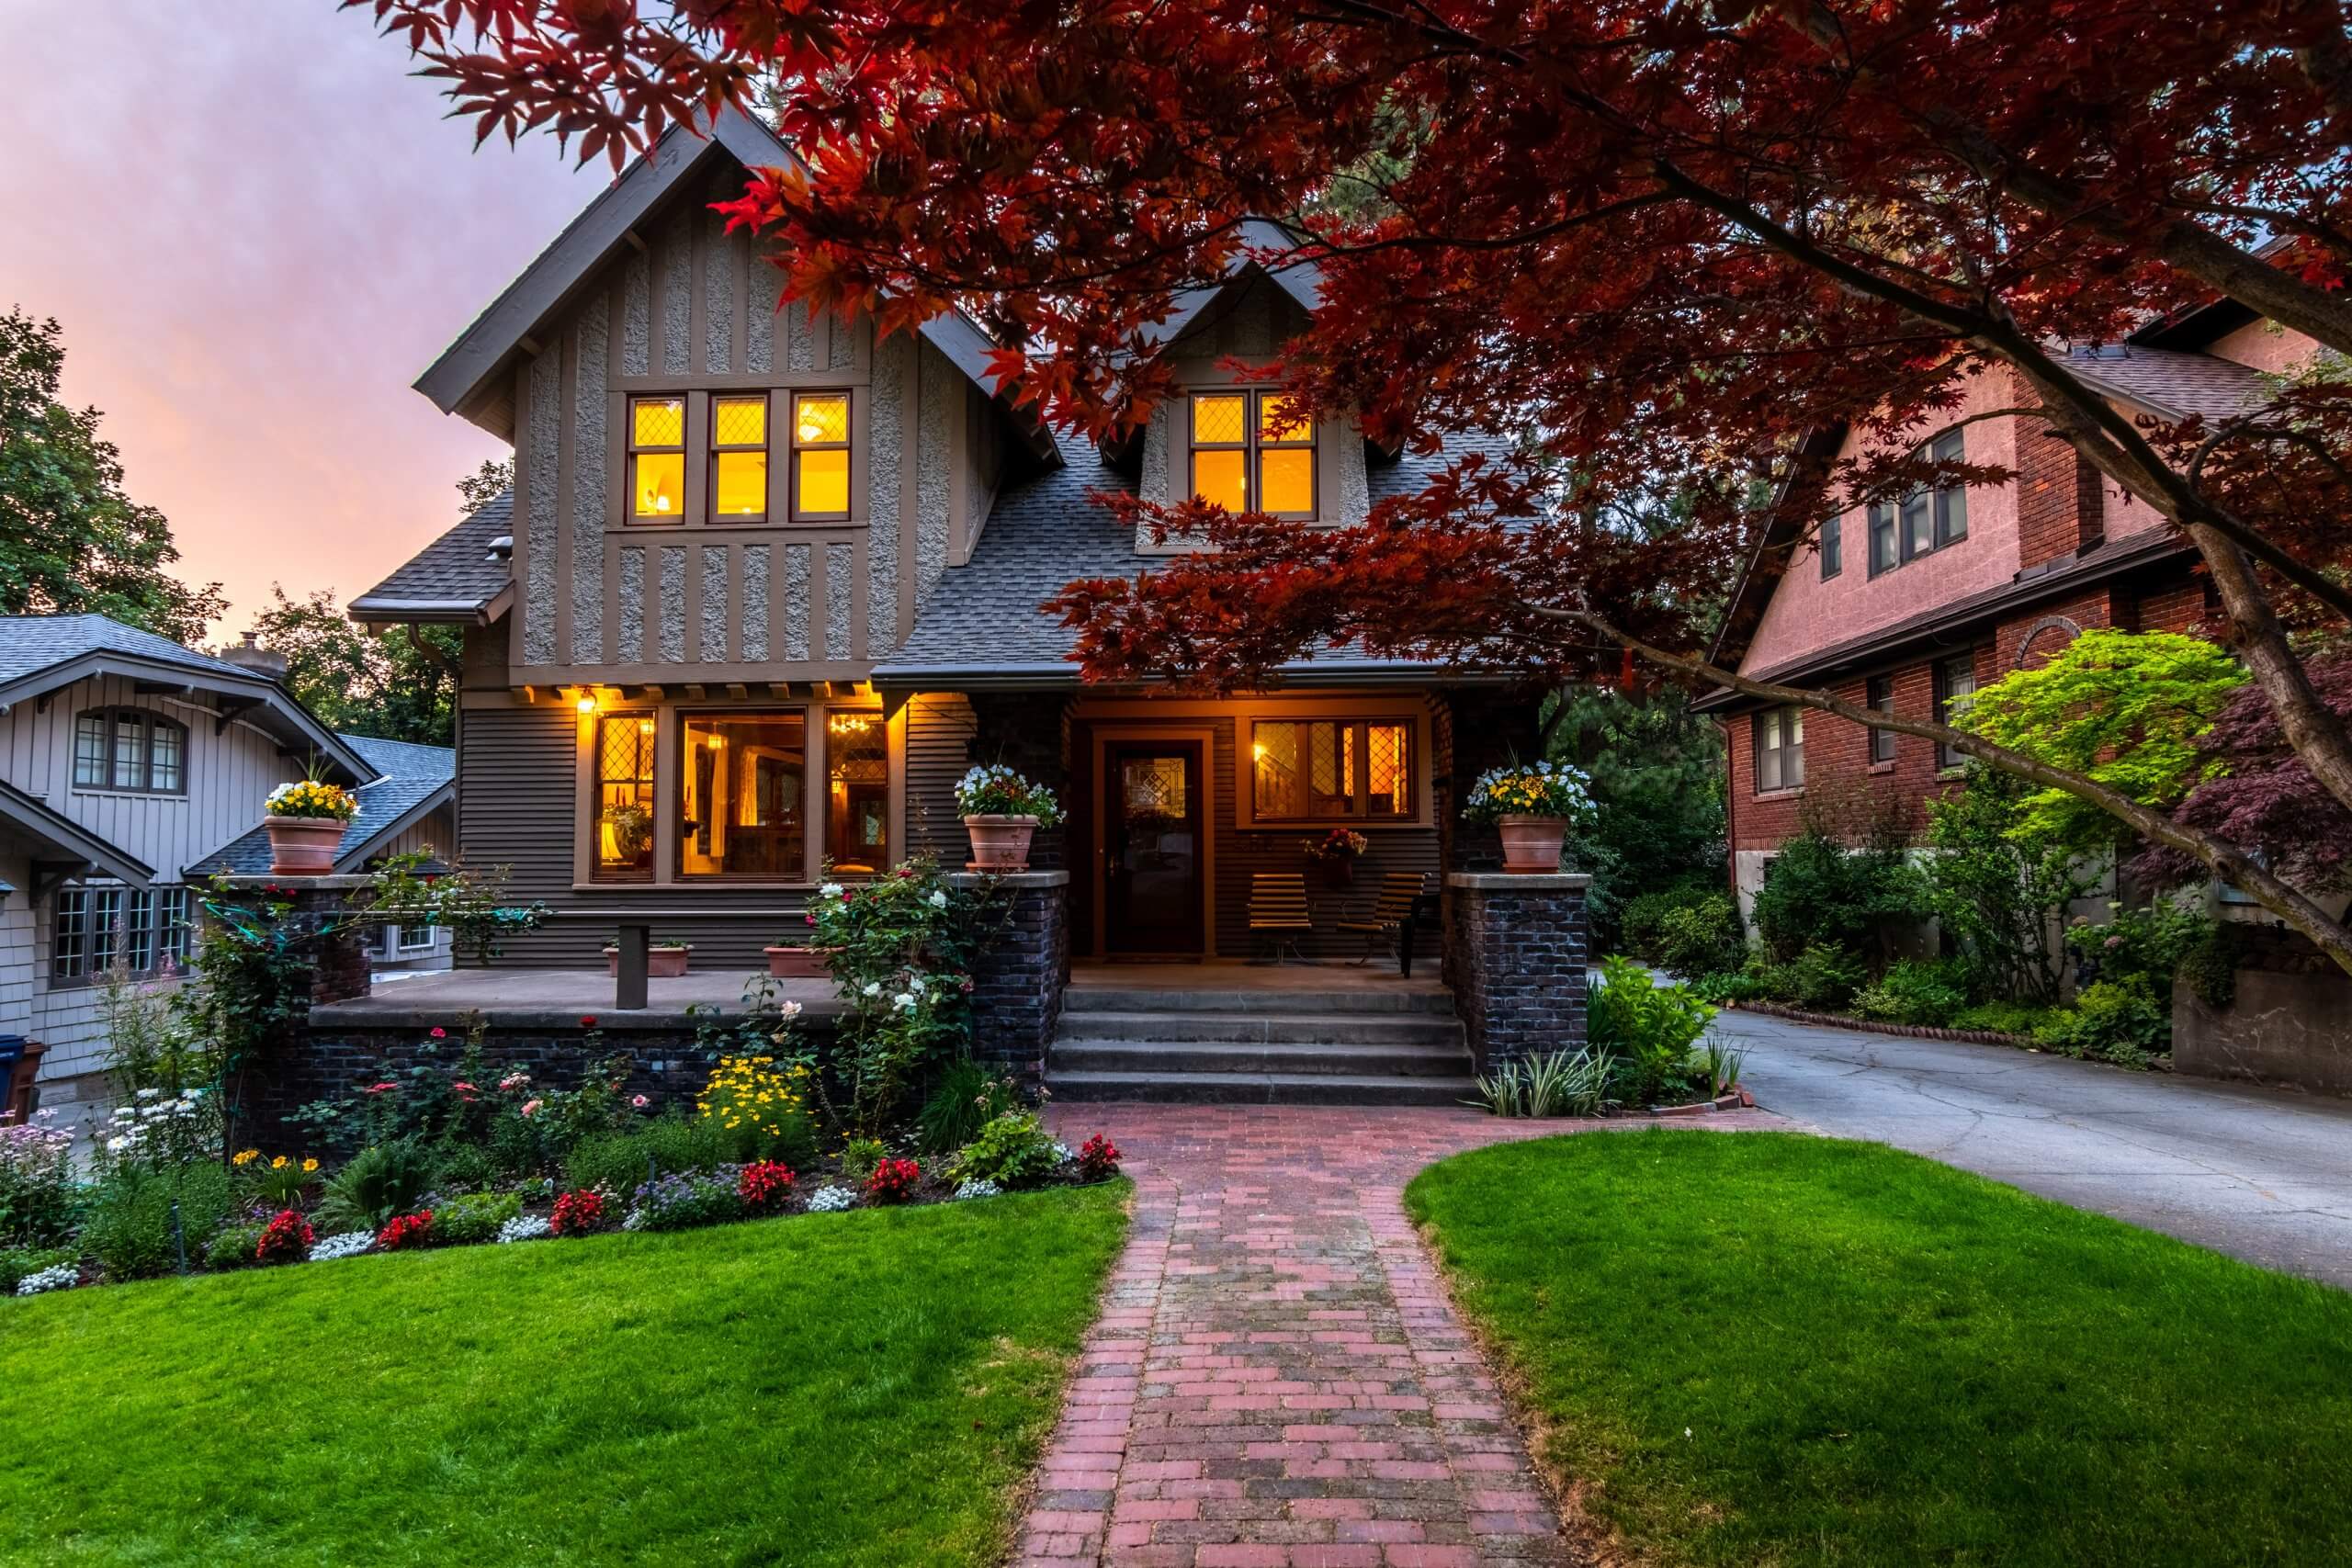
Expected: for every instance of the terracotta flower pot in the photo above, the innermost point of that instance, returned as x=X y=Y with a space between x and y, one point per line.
x=1000 y=843
x=1531 y=845
x=1340 y=872
x=800 y=963
x=660 y=963
x=302 y=846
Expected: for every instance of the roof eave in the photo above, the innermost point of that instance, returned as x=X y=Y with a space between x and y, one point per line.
x=280 y=702
x=78 y=845
x=352 y=859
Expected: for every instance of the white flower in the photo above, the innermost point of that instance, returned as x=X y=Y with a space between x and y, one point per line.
x=830 y=1200
x=151 y=1094
x=116 y=1145
x=977 y=1190
x=56 y=1277
x=873 y=988
x=345 y=1244
x=829 y=890
x=906 y=1001
x=1063 y=1152
x=790 y=1009
x=914 y=984
x=525 y=1227
x=938 y=898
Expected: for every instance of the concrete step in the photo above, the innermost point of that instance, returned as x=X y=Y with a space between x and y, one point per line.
x=1337 y=998
x=1287 y=1028
x=1258 y=1088
x=1129 y=1056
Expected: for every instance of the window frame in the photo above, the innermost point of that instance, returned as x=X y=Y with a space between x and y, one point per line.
x=1357 y=728
x=811 y=811
x=1939 y=516
x=1878 y=691
x=650 y=779
x=83 y=941
x=832 y=851
x=1785 y=726
x=1253 y=446
x=1947 y=758
x=764 y=447
x=630 y=515
x=149 y=725
x=793 y=511
x=1832 y=547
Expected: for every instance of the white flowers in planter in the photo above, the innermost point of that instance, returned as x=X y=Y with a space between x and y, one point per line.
x=525 y=1227
x=830 y=1200
x=56 y=1277
x=345 y=1244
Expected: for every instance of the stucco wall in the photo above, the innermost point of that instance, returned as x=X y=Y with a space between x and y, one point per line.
x=2267 y=347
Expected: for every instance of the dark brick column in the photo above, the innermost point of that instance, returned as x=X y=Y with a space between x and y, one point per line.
x=1516 y=955
x=1017 y=980
x=342 y=966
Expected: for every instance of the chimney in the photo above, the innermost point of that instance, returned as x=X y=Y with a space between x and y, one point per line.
x=252 y=656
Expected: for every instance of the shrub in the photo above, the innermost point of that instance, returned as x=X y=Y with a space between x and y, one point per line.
x=1819 y=892
x=1821 y=978
x=286 y=1239
x=619 y=1162
x=1995 y=883
x=578 y=1212
x=685 y=1199
x=2002 y=1018
x=17 y=1263
x=129 y=1227
x=35 y=1183
x=2147 y=944
x=2121 y=1020
x=1014 y=1151
x=893 y=1181
x=763 y=1185
x=1702 y=936
x=403 y=1232
x=381 y=1180
x=860 y=1155
x=1914 y=993
x=757 y=1108
x=967 y=1097
x=1098 y=1160
x=475 y=1217
x=1628 y=1011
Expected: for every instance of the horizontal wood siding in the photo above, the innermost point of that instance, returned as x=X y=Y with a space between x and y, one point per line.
x=941 y=729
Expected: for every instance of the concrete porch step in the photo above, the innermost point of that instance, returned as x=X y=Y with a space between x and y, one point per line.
x=1161 y=1057
x=1283 y=1028
x=1258 y=1088
x=1093 y=998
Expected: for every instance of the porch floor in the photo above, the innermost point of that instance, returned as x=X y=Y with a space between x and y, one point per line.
x=1379 y=976
x=559 y=999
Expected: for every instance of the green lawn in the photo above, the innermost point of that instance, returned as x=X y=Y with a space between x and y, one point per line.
x=1777 y=1348
x=859 y=1388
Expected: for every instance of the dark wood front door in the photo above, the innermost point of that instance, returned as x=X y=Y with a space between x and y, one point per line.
x=1152 y=848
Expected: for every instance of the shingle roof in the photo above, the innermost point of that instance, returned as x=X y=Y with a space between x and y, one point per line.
x=983 y=615
x=456 y=570
x=2172 y=383
x=29 y=644
x=413 y=774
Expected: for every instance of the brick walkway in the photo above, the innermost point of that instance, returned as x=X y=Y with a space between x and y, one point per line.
x=1277 y=1379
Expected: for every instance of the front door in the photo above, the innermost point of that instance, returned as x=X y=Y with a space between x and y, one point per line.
x=1151 y=847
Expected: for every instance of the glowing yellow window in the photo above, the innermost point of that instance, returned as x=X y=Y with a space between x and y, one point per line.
x=1221 y=449
x=739 y=463
x=820 y=455
x=657 y=459
x=1285 y=459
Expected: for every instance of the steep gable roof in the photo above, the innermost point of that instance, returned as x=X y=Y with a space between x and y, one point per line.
x=470 y=378
x=39 y=654
x=461 y=576
x=415 y=781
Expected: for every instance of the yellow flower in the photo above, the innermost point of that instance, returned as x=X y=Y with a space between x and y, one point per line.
x=277 y=1164
x=308 y=1166
x=246 y=1156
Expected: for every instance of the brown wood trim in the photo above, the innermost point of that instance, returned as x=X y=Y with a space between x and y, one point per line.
x=567 y=456
x=1096 y=869
x=697 y=227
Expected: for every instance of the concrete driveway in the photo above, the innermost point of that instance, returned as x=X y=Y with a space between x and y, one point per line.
x=2260 y=1174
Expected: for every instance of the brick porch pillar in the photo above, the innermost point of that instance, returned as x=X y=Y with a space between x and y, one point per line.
x=1018 y=976
x=342 y=970
x=1516 y=950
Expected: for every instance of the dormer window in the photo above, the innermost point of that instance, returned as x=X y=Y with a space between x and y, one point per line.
x=739 y=459
x=1253 y=452
x=657 y=459
x=819 y=455
x=130 y=749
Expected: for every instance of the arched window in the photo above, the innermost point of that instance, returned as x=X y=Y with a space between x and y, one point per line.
x=129 y=749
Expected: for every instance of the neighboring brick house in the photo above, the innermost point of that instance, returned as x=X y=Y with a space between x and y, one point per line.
x=1906 y=607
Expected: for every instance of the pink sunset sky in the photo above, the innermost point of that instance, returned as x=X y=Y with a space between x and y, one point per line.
x=256 y=230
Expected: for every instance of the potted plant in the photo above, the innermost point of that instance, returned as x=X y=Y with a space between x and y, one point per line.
x=664 y=960
x=1335 y=855
x=305 y=820
x=1002 y=811
x=1530 y=806
x=786 y=963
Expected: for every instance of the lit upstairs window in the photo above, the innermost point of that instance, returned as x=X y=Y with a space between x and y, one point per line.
x=657 y=459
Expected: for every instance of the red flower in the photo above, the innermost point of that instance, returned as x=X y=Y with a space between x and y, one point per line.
x=383 y=1088
x=1098 y=1160
x=763 y=1185
x=893 y=1181
x=440 y=1033
x=578 y=1212
x=406 y=1231
x=588 y=1020
x=286 y=1239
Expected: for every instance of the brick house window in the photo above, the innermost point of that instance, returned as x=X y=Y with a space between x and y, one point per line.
x=1880 y=695
x=819 y=455
x=657 y=459
x=1343 y=770
x=129 y=749
x=1925 y=520
x=739 y=459
x=1955 y=683
x=1832 y=547
x=1779 y=750
x=1251 y=452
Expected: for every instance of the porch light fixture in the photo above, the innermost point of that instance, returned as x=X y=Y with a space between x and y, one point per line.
x=587 y=703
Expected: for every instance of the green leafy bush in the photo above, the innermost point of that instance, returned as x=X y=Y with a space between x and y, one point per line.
x=2119 y=1021
x=621 y=1162
x=1995 y=884
x=1703 y=937
x=1656 y=781
x=1014 y=1150
x=1647 y=1029
x=967 y=1097
x=474 y=1217
x=1822 y=979
x=380 y=1182
x=685 y=1199
x=1819 y=892
x=1565 y=1083
x=2003 y=1018
x=1914 y=992
x=130 y=1226
x=233 y=1247
x=16 y=1262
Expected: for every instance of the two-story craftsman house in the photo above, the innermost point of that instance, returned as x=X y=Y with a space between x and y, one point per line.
x=767 y=584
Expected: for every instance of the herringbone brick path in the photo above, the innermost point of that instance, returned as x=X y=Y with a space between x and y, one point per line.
x=1278 y=1381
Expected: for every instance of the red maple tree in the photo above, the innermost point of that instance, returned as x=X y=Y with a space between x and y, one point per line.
x=1651 y=246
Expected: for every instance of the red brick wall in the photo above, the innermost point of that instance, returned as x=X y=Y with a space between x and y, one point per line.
x=1836 y=756
x=2038 y=633
x=2059 y=506
x=2178 y=606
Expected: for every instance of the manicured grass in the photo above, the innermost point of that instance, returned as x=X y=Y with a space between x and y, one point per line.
x=861 y=1388
x=1776 y=1349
